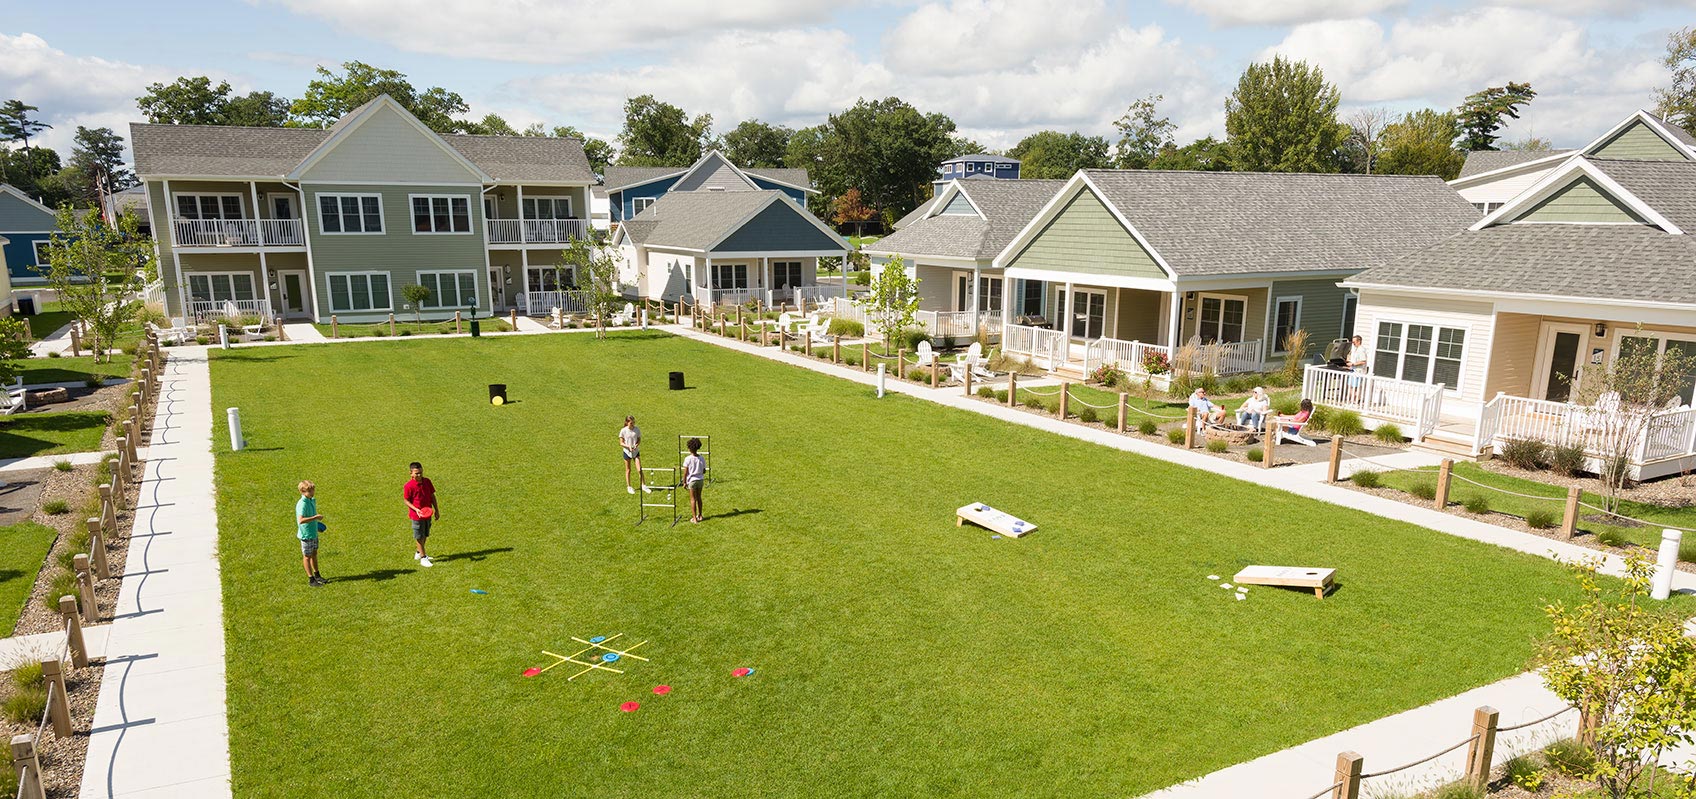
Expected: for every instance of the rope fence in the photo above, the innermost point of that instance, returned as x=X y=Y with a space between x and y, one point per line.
x=1464 y=479
x=1387 y=468
x=1330 y=790
x=1422 y=761
x=1635 y=520
x=1566 y=709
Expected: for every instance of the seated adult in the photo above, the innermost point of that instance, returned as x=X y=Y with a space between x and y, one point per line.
x=1292 y=424
x=1253 y=411
x=1205 y=409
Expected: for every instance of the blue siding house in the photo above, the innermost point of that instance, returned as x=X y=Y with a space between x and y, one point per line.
x=631 y=189
x=26 y=225
x=979 y=166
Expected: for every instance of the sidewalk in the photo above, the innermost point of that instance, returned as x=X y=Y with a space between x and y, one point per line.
x=47 y=461
x=160 y=727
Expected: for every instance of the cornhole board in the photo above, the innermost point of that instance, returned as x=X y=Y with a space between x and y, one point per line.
x=999 y=521
x=1288 y=577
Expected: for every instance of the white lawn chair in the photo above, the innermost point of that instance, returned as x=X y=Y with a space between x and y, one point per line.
x=926 y=356
x=1284 y=434
x=14 y=399
x=980 y=367
x=624 y=317
x=818 y=330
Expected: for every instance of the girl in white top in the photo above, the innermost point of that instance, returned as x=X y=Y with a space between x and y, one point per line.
x=694 y=474
x=630 y=441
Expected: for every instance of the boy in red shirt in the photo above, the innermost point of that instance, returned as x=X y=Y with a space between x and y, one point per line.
x=420 y=496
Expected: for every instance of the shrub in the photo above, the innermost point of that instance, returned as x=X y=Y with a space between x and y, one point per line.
x=1034 y=401
x=64 y=584
x=1528 y=453
x=1344 y=423
x=949 y=342
x=1321 y=418
x=1241 y=384
x=1388 y=433
x=1524 y=771
x=1570 y=757
x=8 y=779
x=1087 y=415
x=379 y=332
x=1288 y=406
x=26 y=706
x=55 y=507
x=986 y=392
x=1476 y=503
x=1175 y=435
x=1218 y=446
x=909 y=339
x=408 y=332
x=1155 y=362
x=1687 y=550
x=1424 y=489
x=55 y=354
x=1366 y=478
x=27 y=675
x=1540 y=519
x=1613 y=538
x=1001 y=395
x=1147 y=427
x=63 y=466
x=1255 y=454
x=1108 y=374
x=1567 y=459
x=847 y=328
x=1458 y=790
x=93 y=381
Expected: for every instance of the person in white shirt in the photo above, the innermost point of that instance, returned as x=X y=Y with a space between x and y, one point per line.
x=1360 y=356
x=694 y=474
x=630 y=441
x=1253 y=411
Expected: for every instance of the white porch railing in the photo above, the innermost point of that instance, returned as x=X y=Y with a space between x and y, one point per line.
x=1041 y=346
x=957 y=325
x=203 y=310
x=1668 y=434
x=535 y=231
x=153 y=293
x=1129 y=355
x=1226 y=357
x=1402 y=401
x=193 y=233
x=816 y=295
x=732 y=296
x=542 y=303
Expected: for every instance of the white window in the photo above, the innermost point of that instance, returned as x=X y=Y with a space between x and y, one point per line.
x=785 y=274
x=489 y=208
x=989 y=294
x=554 y=207
x=41 y=247
x=359 y=291
x=1660 y=344
x=209 y=206
x=1286 y=319
x=456 y=289
x=220 y=286
x=971 y=167
x=350 y=213
x=730 y=276
x=641 y=204
x=1089 y=313
x=439 y=213
x=1420 y=353
x=1487 y=208
x=1222 y=318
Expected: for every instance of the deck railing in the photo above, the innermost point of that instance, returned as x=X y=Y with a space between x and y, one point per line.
x=1402 y=401
x=535 y=231
x=957 y=325
x=1224 y=357
x=216 y=309
x=1043 y=347
x=1129 y=355
x=542 y=303
x=1667 y=434
x=820 y=294
x=193 y=233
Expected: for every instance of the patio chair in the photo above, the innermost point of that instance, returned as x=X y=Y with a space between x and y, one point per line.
x=1291 y=433
x=624 y=317
x=819 y=330
x=926 y=356
x=15 y=398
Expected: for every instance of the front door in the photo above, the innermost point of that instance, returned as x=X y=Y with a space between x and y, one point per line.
x=296 y=294
x=1559 y=359
x=497 y=288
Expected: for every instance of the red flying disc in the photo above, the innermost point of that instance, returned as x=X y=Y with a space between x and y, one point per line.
x=662 y=690
x=532 y=671
x=629 y=707
x=742 y=672
x=425 y=513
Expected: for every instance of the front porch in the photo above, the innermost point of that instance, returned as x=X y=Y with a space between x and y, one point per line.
x=764 y=282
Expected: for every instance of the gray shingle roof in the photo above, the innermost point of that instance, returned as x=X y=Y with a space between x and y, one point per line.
x=793 y=177
x=694 y=220
x=228 y=151
x=1223 y=223
x=1480 y=161
x=980 y=157
x=1008 y=206
x=1680 y=133
x=915 y=214
x=617 y=177
x=1667 y=186
x=1615 y=262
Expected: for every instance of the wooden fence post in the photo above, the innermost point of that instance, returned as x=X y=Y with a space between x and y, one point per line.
x=117 y=493
x=807 y=345
x=722 y=318
x=512 y=318
x=836 y=349
x=333 y=333
x=1065 y=397
x=1269 y=454
x=901 y=363
x=97 y=543
x=1335 y=468
x=456 y=322
x=58 y=703
x=1569 y=521
x=1189 y=428
x=108 y=513
x=85 y=589
x=968 y=382
x=27 y=765
x=1347 y=776
x=1124 y=407
x=73 y=632
x=865 y=356
x=1483 y=747
x=741 y=328
x=76 y=342
x=935 y=372
x=123 y=465
x=1444 y=471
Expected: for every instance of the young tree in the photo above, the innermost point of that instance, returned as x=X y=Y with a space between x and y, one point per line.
x=16 y=123
x=660 y=134
x=330 y=97
x=892 y=304
x=1626 y=398
x=1282 y=117
x=596 y=269
x=1629 y=669
x=95 y=269
x=1481 y=114
x=1052 y=154
x=849 y=210
x=1366 y=137
x=756 y=144
x=1421 y=143
x=414 y=295
x=1142 y=135
x=1677 y=102
x=14 y=348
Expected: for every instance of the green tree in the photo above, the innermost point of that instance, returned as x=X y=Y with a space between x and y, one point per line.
x=1677 y=102
x=848 y=209
x=806 y=151
x=17 y=123
x=34 y=172
x=194 y=100
x=257 y=109
x=1421 y=143
x=1481 y=114
x=489 y=125
x=892 y=304
x=1629 y=669
x=14 y=348
x=1530 y=144
x=99 y=153
x=1050 y=154
x=1631 y=392
x=1282 y=117
x=96 y=271
x=330 y=97
x=415 y=295
x=660 y=134
x=756 y=144
x=886 y=148
x=596 y=271
x=1143 y=135
x=1205 y=154
x=961 y=145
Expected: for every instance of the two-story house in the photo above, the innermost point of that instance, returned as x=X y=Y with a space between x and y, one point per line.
x=27 y=226
x=978 y=166
x=1490 y=178
x=631 y=189
x=308 y=223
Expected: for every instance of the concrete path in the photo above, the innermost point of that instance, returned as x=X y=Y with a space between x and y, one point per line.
x=110 y=381
x=160 y=727
x=303 y=332
x=42 y=646
x=47 y=461
x=528 y=325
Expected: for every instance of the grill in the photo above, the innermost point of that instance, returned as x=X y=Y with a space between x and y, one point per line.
x=1035 y=320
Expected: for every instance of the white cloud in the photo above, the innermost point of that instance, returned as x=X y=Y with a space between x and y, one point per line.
x=968 y=36
x=552 y=31
x=71 y=90
x=1289 y=12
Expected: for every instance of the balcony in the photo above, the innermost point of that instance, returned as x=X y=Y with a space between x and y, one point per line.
x=536 y=231
x=195 y=234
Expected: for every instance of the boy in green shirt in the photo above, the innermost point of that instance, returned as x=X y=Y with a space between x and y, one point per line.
x=309 y=521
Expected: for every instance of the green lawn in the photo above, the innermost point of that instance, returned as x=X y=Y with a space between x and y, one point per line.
x=489 y=325
x=23 y=548
x=46 y=320
x=51 y=433
x=72 y=370
x=896 y=654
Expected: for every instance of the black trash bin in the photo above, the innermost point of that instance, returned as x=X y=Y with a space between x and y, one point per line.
x=26 y=306
x=476 y=329
x=497 y=393
x=676 y=381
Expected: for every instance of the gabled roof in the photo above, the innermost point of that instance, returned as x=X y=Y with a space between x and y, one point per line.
x=1480 y=161
x=624 y=177
x=618 y=178
x=514 y=159
x=1483 y=166
x=981 y=157
x=7 y=188
x=698 y=220
x=798 y=178
x=351 y=121
x=1652 y=176
x=1669 y=187
x=917 y=213
x=1005 y=206
x=1230 y=223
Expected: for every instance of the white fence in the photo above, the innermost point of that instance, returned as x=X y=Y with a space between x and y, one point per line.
x=1131 y=356
x=535 y=231
x=215 y=309
x=1667 y=434
x=542 y=303
x=1403 y=401
x=958 y=325
x=1040 y=346
x=821 y=294
x=238 y=233
x=1225 y=358
x=152 y=293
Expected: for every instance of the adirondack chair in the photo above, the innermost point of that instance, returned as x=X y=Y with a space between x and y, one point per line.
x=971 y=360
x=818 y=329
x=1291 y=432
x=14 y=399
x=624 y=317
x=926 y=356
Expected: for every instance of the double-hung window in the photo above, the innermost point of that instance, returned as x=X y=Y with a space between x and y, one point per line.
x=350 y=213
x=437 y=213
x=1420 y=353
x=640 y=204
x=1030 y=303
x=209 y=206
x=455 y=289
x=1286 y=319
x=989 y=294
x=220 y=286
x=730 y=276
x=785 y=274
x=1222 y=318
x=550 y=207
x=359 y=291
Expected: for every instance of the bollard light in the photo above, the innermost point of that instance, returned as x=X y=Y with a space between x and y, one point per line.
x=882 y=369
x=237 y=443
x=1661 y=588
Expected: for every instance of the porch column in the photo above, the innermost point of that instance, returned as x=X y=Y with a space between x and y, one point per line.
x=766 y=281
x=707 y=280
x=1006 y=303
x=977 y=300
x=524 y=266
x=1174 y=322
x=264 y=272
x=1113 y=321
x=523 y=235
x=1069 y=305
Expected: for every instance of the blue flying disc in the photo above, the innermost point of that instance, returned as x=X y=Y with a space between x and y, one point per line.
x=597 y=639
x=478 y=591
x=610 y=657
x=995 y=536
x=322 y=527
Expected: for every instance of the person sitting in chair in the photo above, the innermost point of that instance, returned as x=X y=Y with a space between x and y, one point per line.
x=1205 y=409
x=1292 y=424
x=1253 y=411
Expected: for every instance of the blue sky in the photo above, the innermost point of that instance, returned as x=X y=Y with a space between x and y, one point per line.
x=1000 y=69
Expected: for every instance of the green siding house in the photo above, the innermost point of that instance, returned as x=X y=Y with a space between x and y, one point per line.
x=1490 y=178
x=312 y=224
